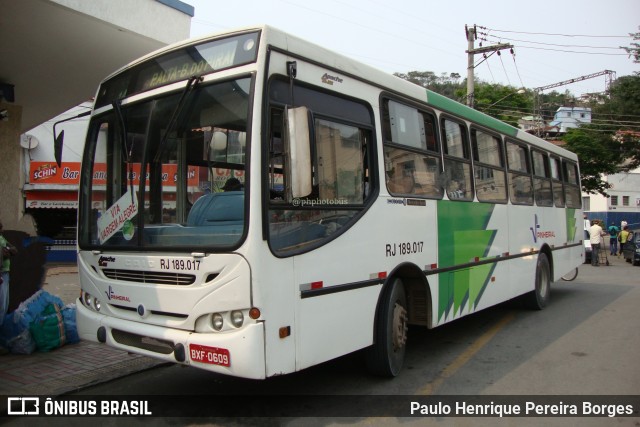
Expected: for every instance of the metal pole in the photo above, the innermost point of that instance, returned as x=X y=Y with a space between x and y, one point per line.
x=471 y=35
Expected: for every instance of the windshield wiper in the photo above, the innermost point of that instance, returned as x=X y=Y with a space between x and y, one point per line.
x=128 y=151
x=191 y=83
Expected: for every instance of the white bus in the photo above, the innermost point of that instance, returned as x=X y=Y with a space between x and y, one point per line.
x=253 y=204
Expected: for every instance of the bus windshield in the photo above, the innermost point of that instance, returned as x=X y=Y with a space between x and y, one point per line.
x=168 y=171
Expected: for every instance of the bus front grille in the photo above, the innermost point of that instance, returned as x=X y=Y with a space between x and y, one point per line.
x=145 y=343
x=152 y=277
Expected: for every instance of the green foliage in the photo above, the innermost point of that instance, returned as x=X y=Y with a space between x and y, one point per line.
x=634 y=49
x=613 y=144
x=598 y=154
x=624 y=100
x=444 y=84
x=503 y=102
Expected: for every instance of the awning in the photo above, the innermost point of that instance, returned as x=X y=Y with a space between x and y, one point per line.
x=52 y=199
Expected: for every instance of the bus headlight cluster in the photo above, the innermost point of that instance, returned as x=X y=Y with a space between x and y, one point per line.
x=90 y=301
x=236 y=319
x=227 y=320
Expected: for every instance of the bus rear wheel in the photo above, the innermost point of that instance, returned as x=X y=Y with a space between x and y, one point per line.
x=538 y=299
x=386 y=356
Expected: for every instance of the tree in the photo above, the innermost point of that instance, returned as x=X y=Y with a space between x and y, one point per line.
x=598 y=153
x=634 y=49
x=444 y=84
x=503 y=102
x=612 y=144
x=623 y=105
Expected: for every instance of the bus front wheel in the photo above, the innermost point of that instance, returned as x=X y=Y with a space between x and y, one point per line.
x=539 y=297
x=386 y=356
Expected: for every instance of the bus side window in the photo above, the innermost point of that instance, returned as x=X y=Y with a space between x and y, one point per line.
x=490 y=180
x=521 y=187
x=571 y=184
x=541 y=179
x=456 y=179
x=412 y=162
x=276 y=157
x=556 y=182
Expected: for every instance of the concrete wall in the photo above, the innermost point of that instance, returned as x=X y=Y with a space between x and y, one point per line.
x=11 y=204
x=624 y=184
x=126 y=14
x=55 y=52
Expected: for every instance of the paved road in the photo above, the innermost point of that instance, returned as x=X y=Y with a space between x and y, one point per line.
x=585 y=343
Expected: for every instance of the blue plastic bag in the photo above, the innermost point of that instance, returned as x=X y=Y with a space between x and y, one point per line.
x=70 y=328
x=48 y=329
x=14 y=333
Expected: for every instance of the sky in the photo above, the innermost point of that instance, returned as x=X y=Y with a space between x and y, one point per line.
x=553 y=40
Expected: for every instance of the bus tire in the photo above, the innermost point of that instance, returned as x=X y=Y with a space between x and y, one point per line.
x=386 y=356
x=538 y=299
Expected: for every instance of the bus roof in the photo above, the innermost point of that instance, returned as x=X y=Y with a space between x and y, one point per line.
x=271 y=36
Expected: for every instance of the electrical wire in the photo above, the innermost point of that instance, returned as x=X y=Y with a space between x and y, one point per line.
x=553 y=34
x=513 y=55
x=556 y=44
x=505 y=69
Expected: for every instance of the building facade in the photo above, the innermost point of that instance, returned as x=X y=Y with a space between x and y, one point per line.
x=623 y=203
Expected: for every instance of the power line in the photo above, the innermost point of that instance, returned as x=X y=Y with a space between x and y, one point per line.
x=554 y=34
x=553 y=44
x=574 y=51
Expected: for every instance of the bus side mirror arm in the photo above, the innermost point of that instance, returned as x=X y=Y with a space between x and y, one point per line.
x=58 y=139
x=298 y=140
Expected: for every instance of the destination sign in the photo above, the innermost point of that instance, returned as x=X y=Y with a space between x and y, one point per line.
x=177 y=65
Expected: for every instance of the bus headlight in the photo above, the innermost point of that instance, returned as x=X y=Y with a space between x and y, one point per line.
x=88 y=299
x=237 y=318
x=217 y=321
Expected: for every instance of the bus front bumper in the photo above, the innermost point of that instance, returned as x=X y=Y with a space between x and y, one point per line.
x=237 y=353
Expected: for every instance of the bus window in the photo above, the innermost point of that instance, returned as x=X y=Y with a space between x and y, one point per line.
x=339 y=152
x=571 y=184
x=412 y=165
x=490 y=178
x=521 y=188
x=556 y=182
x=541 y=179
x=341 y=181
x=456 y=178
x=276 y=157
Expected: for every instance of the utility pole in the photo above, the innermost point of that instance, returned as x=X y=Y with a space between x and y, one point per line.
x=472 y=35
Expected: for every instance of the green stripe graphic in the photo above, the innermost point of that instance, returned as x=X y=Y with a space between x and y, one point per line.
x=463 y=236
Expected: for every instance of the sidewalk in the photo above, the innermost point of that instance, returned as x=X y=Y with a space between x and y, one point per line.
x=72 y=366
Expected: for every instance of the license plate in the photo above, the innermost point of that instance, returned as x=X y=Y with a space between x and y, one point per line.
x=211 y=355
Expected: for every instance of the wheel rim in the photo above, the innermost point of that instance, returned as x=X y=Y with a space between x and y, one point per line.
x=399 y=327
x=544 y=282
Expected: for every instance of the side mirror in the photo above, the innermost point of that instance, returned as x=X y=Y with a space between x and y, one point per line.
x=57 y=147
x=59 y=138
x=298 y=139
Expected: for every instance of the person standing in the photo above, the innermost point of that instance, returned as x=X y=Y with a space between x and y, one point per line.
x=624 y=238
x=613 y=238
x=596 y=232
x=8 y=250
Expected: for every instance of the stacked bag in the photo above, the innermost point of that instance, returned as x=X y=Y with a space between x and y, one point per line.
x=42 y=322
